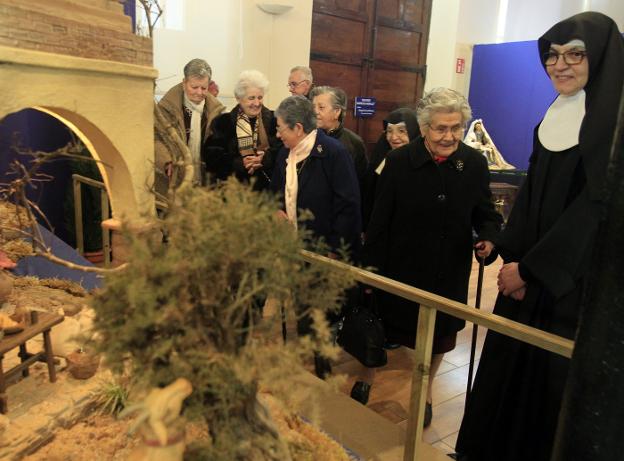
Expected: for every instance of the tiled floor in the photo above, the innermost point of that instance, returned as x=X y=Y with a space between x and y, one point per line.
x=390 y=392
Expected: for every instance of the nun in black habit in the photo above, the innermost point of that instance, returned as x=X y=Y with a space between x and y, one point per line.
x=400 y=128
x=547 y=245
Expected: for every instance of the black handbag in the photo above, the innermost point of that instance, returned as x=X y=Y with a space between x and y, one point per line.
x=361 y=334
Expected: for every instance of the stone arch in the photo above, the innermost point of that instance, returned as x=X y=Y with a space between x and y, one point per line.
x=112 y=166
x=109 y=105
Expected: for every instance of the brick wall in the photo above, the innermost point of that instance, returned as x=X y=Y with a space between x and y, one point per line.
x=77 y=34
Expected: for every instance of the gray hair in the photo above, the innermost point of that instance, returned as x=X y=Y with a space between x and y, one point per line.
x=197 y=68
x=338 y=98
x=250 y=79
x=442 y=100
x=306 y=71
x=297 y=109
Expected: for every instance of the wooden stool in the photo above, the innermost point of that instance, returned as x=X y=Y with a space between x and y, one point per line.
x=42 y=322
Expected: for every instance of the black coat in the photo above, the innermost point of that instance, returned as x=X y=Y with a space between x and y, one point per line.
x=356 y=148
x=223 y=158
x=381 y=149
x=328 y=188
x=421 y=230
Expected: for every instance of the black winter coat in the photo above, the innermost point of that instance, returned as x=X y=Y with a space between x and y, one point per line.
x=223 y=158
x=356 y=148
x=421 y=230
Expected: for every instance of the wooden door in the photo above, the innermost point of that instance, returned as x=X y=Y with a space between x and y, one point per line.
x=373 y=48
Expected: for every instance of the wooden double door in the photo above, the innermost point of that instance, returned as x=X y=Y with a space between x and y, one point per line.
x=371 y=48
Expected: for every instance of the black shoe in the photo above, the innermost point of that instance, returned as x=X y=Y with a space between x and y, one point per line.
x=390 y=346
x=428 y=415
x=360 y=391
x=322 y=367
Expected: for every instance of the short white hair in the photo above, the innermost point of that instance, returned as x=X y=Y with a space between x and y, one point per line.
x=306 y=71
x=442 y=100
x=250 y=79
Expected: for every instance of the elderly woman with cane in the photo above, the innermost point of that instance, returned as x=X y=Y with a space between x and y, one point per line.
x=432 y=194
x=547 y=245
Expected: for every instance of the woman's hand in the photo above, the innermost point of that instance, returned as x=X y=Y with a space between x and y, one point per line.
x=509 y=279
x=484 y=248
x=518 y=295
x=252 y=163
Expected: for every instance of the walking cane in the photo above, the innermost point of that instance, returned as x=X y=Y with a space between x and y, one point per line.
x=473 y=345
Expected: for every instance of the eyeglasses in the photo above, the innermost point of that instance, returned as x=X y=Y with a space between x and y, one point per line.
x=294 y=85
x=440 y=131
x=571 y=57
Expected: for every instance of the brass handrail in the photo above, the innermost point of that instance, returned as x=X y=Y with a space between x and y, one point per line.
x=429 y=305
x=77 y=180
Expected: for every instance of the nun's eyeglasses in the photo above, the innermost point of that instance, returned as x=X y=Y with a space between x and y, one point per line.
x=571 y=58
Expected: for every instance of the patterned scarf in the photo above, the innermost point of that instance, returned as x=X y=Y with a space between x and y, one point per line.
x=250 y=139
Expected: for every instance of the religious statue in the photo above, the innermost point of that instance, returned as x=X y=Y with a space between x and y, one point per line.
x=478 y=138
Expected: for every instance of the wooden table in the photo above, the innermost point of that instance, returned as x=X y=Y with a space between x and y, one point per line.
x=42 y=323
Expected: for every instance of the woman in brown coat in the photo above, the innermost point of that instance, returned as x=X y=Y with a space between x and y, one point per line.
x=189 y=108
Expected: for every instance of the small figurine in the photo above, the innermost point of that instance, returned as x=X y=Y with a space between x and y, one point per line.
x=478 y=138
x=159 y=423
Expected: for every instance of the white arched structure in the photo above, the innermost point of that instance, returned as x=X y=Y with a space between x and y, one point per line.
x=109 y=105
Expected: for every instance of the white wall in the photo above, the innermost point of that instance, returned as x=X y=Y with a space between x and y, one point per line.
x=441 y=45
x=525 y=19
x=233 y=35
x=458 y=25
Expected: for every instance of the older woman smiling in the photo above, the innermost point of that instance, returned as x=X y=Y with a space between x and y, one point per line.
x=547 y=246
x=433 y=192
x=244 y=141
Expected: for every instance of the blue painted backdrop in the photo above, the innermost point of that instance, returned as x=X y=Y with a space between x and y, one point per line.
x=510 y=91
x=34 y=130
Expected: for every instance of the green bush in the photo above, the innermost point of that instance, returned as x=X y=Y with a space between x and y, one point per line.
x=189 y=308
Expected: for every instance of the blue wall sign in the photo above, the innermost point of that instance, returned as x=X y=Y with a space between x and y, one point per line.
x=364 y=107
